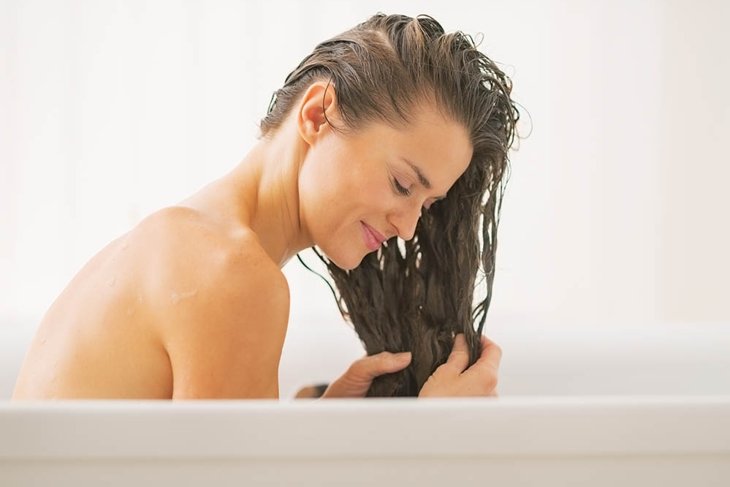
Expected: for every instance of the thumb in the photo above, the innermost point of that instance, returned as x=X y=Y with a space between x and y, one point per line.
x=370 y=367
x=357 y=379
x=459 y=358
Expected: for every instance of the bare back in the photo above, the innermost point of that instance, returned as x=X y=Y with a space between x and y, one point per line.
x=137 y=318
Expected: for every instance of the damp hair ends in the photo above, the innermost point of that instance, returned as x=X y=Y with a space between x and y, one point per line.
x=417 y=295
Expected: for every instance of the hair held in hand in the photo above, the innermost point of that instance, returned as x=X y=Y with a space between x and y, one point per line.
x=417 y=295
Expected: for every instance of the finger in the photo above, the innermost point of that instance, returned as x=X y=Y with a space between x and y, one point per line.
x=370 y=367
x=459 y=357
x=491 y=355
x=356 y=381
x=485 y=372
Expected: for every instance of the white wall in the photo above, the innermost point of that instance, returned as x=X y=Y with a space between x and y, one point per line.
x=615 y=210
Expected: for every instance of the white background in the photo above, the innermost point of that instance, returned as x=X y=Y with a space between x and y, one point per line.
x=615 y=211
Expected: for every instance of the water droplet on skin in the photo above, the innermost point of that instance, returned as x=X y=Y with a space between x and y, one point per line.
x=125 y=245
x=176 y=297
x=112 y=281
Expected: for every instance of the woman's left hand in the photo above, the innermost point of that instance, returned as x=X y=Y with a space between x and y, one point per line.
x=356 y=381
x=455 y=378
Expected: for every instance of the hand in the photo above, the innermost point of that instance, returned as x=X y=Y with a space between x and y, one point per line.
x=356 y=381
x=450 y=379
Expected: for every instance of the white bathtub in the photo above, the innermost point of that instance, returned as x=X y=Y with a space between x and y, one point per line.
x=619 y=405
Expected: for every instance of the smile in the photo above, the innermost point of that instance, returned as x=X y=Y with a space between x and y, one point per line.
x=372 y=241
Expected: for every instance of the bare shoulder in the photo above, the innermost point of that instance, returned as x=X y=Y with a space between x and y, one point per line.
x=183 y=235
x=220 y=303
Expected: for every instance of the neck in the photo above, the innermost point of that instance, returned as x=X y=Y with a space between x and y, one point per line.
x=264 y=190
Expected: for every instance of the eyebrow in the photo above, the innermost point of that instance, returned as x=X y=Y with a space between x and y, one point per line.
x=421 y=177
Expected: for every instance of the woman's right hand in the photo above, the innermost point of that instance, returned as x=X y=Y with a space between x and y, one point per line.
x=454 y=378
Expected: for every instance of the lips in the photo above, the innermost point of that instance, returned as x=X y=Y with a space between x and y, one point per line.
x=373 y=239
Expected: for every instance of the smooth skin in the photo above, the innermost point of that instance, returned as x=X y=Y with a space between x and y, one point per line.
x=192 y=303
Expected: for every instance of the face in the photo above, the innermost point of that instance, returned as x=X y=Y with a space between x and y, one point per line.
x=359 y=189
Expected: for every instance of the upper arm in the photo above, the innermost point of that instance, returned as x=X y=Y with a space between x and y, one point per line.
x=222 y=320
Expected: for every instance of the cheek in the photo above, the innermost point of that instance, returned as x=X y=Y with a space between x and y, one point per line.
x=326 y=198
x=338 y=188
x=332 y=179
x=319 y=187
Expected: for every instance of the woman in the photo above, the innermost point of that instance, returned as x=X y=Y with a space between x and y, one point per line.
x=373 y=129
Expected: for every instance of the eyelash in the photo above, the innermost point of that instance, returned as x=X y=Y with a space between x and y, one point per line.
x=401 y=189
x=406 y=192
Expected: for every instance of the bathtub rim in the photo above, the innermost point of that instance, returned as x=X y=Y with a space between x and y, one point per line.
x=307 y=429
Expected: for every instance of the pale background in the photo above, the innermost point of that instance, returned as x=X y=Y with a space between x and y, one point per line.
x=615 y=211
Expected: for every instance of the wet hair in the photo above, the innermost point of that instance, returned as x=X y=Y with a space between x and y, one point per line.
x=417 y=295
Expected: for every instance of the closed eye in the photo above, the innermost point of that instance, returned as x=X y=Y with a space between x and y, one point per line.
x=400 y=188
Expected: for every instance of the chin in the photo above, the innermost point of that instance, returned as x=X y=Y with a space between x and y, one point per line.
x=344 y=260
x=345 y=254
x=347 y=264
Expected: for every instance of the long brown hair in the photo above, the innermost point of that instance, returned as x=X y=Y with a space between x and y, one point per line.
x=417 y=295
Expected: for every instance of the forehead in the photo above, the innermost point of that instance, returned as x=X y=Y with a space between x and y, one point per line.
x=438 y=145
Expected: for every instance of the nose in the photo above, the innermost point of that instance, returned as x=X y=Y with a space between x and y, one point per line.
x=405 y=219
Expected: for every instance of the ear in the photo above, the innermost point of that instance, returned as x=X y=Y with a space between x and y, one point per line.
x=318 y=100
